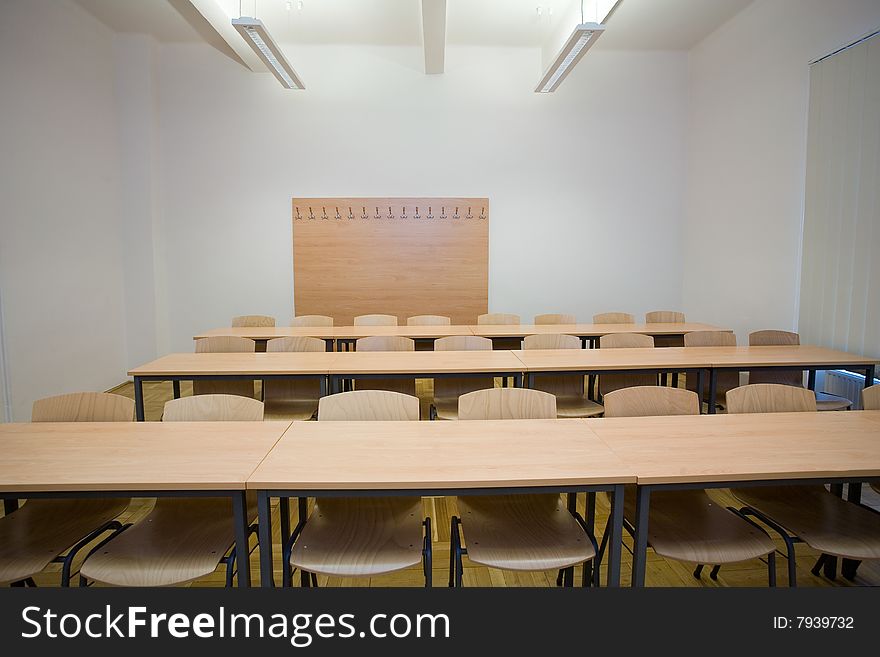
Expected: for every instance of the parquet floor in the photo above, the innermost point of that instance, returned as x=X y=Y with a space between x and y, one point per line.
x=660 y=571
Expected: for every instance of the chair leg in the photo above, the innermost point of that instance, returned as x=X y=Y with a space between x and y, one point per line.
x=427 y=557
x=771 y=569
x=747 y=511
x=568 y=579
x=817 y=568
x=698 y=571
x=714 y=574
x=454 y=546
x=67 y=560
x=117 y=532
x=314 y=580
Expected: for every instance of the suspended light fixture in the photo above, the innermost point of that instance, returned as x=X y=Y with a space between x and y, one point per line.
x=581 y=40
x=254 y=32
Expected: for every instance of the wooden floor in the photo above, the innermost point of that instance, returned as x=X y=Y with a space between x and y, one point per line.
x=660 y=571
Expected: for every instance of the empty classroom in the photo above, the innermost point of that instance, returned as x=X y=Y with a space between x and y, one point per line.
x=440 y=293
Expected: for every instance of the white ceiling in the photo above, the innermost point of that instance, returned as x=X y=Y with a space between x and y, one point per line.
x=636 y=25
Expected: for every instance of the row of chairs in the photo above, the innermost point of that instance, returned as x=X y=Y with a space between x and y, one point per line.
x=657 y=316
x=181 y=539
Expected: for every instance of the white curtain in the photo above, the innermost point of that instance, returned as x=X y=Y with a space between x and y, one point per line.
x=840 y=275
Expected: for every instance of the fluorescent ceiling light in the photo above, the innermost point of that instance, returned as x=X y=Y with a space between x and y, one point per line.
x=254 y=32
x=583 y=37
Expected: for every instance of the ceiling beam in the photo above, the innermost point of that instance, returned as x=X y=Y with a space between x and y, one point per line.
x=434 y=35
x=222 y=24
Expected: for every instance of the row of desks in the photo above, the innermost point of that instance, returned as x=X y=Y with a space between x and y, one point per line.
x=331 y=368
x=314 y=459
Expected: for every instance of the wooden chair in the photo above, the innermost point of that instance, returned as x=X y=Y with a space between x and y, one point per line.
x=505 y=319
x=555 y=319
x=362 y=537
x=293 y=399
x=664 y=317
x=428 y=320
x=387 y=343
x=312 y=320
x=611 y=382
x=45 y=531
x=255 y=321
x=375 y=320
x=181 y=539
x=614 y=318
x=687 y=525
x=571 y=397
x=523 y=532
x=725 y=380
x=808 y=514
x=824 y=401
x=448 y=390
x=224 y=344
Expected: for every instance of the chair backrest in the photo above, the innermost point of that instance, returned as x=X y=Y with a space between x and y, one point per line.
x=871 y=398
x=710 y=339
x=278 y=390
x=775 y=338
x=645 y=401
x=498 y=318
x=664 y=317
x=362 y=405
x=385 y=343
x=253 y=321
x=83 y=407
x=770 y=398
x=451 y=388
x=614 y=318
x=375 y=320
x=724 y=380
x=224 y=344
x=564 y=385
x=312 y=320
x=610 y=382
x=428 y=320
x=213 y=408
x=555 y=318
x=507 y=404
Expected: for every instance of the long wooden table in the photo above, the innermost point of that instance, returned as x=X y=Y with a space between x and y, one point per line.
x=359 y=459
x=589 y=333
x=718 y=451
x=177 y=459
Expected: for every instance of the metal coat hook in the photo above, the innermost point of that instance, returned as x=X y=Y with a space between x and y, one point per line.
x=363 y=212
x=417 y=215
x=324 y=212
x=482 y=213
x=455 y=216
x=378 y=216
x=350 y=214
x=403 y=213
x=430 y=214
x=443 y=212
x=337 y=214
x=311 y=214
x=390 y=214
x=297 y=214
x=469 y=215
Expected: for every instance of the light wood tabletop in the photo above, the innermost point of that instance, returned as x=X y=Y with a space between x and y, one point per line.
x=553 y=360
x=782 y=355
x=317 y=456
x=286 y=362
x=269 y=332
x=338 y=332
x=749 y=447
x=589 y=330
x=424 y=362
x=132 y=456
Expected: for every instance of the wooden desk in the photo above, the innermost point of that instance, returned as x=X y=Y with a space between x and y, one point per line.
x=191 y=367
x=422 y=365
x=262 y=334
x=179 y=459
x=722 y=450
x=590 y=332
x=437 y=458
x=786 y=357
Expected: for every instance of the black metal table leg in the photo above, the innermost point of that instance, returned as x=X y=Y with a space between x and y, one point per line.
x=323 y=392
x=615 y=542
x=265 y=534
x=302 y=507
x=242 y=551
x=138 y=399
x=590 y=511
x=530 y=380
x=811 y=379
x=517 y=380
x=175 y=388
x=700 y=385
x=869 y=376
x=284 y=515
x=713 y=389
x=640 y=544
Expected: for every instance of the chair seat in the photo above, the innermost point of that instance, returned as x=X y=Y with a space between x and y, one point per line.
x=360 y=537
x=829 y=402
x=182 y=539
x=290 y=409
x=522 y=532
x=822 y=520
x=572 y=407
x=41 y=530
x=447 y=409
x=689 y=526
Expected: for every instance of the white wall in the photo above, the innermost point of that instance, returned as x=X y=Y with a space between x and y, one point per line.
x=748 y=100
x=60 y=258
x=585 y=185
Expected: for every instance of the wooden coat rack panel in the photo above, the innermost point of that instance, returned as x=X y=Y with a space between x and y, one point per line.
x=395 y=256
